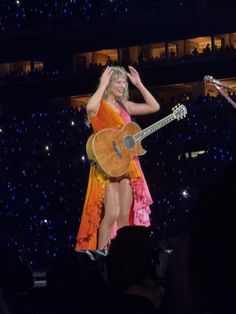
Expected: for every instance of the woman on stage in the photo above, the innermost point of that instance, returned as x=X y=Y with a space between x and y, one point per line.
x=112 y=203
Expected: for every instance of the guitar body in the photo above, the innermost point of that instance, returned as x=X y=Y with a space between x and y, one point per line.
x=113 y=149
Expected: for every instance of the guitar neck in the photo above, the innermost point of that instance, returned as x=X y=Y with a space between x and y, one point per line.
x=154 y=127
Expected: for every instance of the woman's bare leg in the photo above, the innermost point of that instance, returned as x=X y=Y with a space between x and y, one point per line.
x=126 y=199
x=112 y=208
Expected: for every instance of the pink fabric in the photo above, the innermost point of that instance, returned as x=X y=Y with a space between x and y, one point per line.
x=142 y=200
x=124 y=115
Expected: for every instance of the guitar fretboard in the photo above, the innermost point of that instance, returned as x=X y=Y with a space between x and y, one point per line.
x=154 y=127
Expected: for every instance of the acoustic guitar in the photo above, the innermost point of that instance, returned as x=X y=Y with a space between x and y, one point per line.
x=113 y=149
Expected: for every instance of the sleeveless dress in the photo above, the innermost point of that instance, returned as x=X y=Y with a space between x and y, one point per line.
x=93 y=210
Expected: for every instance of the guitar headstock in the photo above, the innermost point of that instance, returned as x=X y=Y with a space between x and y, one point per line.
x=179 y=111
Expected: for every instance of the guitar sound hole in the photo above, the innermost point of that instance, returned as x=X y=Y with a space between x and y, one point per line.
x=129 y=142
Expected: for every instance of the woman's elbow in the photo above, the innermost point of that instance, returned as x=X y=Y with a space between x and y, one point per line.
x=156 y=107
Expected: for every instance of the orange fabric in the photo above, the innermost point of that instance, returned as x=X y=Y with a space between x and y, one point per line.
x=92 y=213
x=106 y=117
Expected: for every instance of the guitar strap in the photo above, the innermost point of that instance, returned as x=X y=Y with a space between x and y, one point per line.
x=122 y=105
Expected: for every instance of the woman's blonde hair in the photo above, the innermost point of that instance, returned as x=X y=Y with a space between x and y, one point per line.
x=117 y=72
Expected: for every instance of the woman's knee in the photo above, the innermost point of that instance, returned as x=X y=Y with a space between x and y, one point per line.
x=111 y=216
x=112 y=203
x=123 y=217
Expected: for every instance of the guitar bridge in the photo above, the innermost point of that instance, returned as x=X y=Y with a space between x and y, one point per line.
x=116 y=149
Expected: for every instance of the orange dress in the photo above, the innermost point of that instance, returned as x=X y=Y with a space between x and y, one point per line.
x=92 y=214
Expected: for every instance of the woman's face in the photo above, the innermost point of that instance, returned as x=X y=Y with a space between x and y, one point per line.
x=118 y=86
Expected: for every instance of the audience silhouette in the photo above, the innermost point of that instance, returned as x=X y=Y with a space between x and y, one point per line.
x=132 y=271
x=213 y=256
